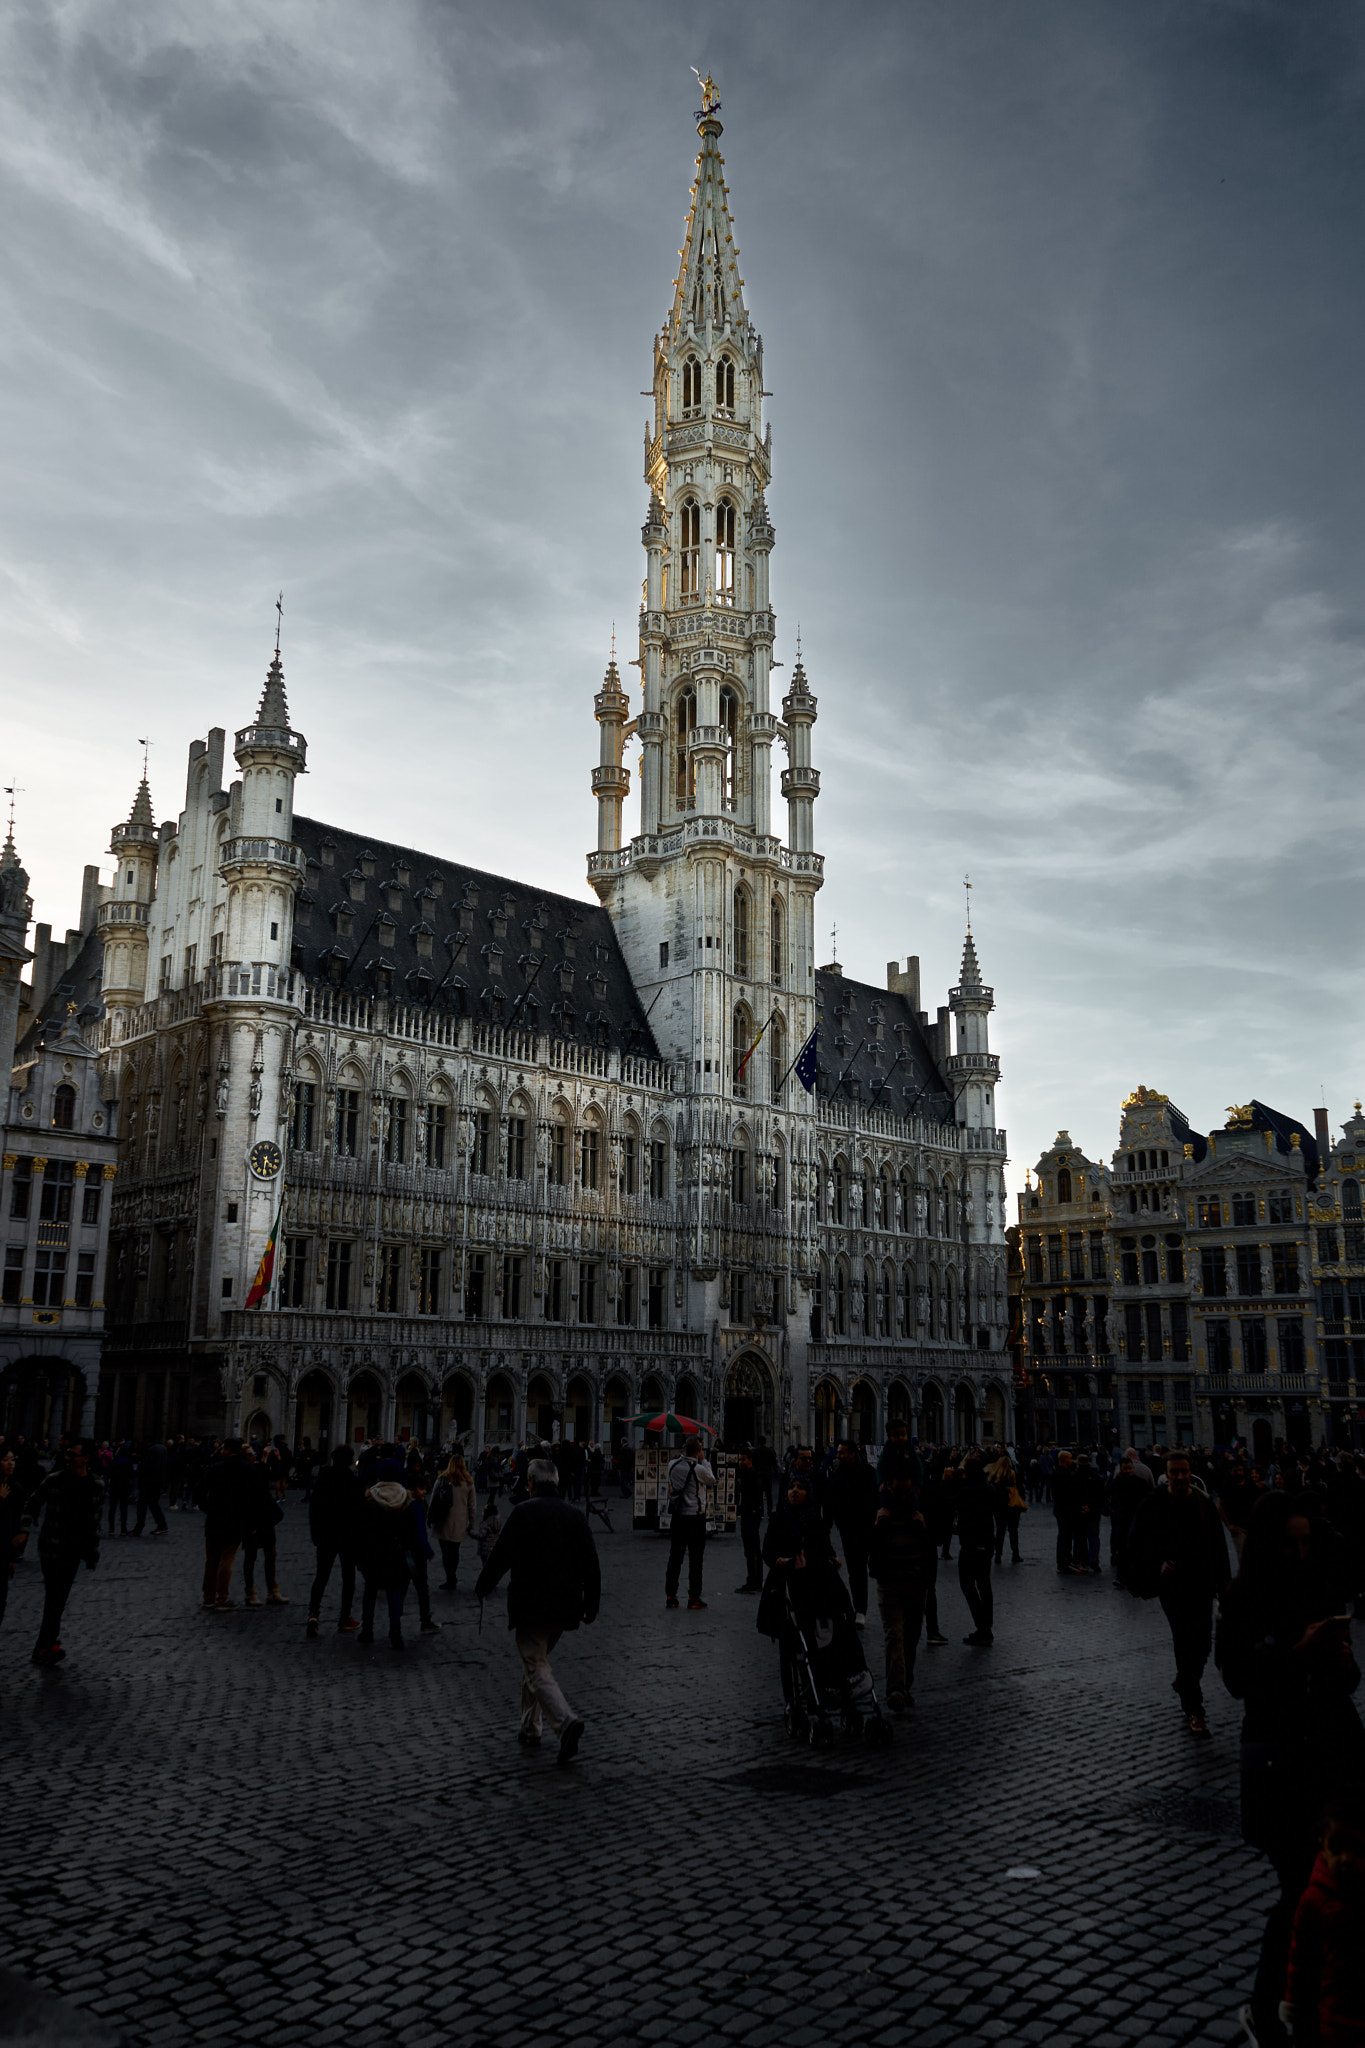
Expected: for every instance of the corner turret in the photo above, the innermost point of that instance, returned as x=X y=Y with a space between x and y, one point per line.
x=122 y=920
x=973 y=1070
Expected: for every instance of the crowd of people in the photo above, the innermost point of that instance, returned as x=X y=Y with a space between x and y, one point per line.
x=1259 y=1564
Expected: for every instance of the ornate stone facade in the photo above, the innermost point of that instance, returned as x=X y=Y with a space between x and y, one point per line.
x=546 y=1163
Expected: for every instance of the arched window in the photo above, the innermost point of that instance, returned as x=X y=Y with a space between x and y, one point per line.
x=64 y=1108
x=907 y=1302
x=742 y=932
x=684 y=724
x=777 y=941
x=948 y=1307
x=1064 y=1185
x=725 y=385
x=741 y=1038
x=689 y=541
x=836 y=1204
x=691 y=385
x=729 y=725
x=726 y=523
x=840 y=1299
x=777 y=1059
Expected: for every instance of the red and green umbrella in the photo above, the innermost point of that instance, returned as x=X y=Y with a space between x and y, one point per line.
x=668 y=1420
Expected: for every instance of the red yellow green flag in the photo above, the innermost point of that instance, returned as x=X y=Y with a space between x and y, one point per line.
x=265 y=1272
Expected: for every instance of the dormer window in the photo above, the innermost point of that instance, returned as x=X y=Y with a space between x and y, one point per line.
x=691 y=384
x=357 y=887
x=725 y=386
x=395 y=895
x=367 y=862
x=726 y=523
x=345 y=921
x=386 y=929
x=423 y=935
x=690 y=543
x=403 y=874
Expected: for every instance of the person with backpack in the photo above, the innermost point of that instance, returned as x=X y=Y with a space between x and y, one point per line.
x=1177 y=1554
x=388 y=1531
x=687 y=1517
x=556 y=1584
x=452 y=1514
x=67 y=1504
x=334 y=1526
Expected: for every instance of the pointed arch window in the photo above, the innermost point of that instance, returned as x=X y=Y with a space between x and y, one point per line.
x=689 y=539
x=742 y=931
x=725 y=386
x=691 y=386
x=777 y=1058
x=729 y=725
x=727 y=524
x=777 y=941
x=684 y=724
x=741 y=1037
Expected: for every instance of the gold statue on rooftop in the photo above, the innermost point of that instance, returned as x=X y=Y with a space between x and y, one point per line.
x=710 y=98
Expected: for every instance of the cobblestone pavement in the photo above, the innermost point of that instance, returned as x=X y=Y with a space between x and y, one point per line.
x=219 y=1832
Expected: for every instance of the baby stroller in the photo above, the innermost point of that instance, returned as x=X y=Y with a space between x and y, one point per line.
x=824 y=1672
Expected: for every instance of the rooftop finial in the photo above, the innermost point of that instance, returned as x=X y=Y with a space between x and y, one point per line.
x=798 y=640
x=834 y=943
x=279 y=619
x=613 y=640
x=967 y=885
x=12 y=790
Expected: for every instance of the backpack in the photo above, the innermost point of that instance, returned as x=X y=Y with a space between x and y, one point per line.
x=677 y=1496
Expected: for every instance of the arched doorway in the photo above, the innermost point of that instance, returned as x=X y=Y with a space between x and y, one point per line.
x=364 y=1408
x=931 y=1414
x=457 y=1406
x=1262 y=1445
x=964 y=1407
x=862 y=1420
x=748 y=1402
x=615 y=1407
x=827 y=1409
x=499 y=1412
x=257 y=1429
x=578 y=1410
x=415 y=1415
x=687 y=1400
x=313 y=1413
x=898 y=1405
x=540 y=1409
x=993 y=1417
x=40 y=1398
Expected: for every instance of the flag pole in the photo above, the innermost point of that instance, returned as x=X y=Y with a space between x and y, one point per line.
x=799 y=1050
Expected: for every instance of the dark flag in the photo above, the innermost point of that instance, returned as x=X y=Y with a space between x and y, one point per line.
x=804 y=1065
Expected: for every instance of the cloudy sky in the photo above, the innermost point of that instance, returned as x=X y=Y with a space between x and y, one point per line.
x=1062 y=311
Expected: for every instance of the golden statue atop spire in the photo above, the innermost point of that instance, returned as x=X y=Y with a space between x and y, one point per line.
x=710 y=98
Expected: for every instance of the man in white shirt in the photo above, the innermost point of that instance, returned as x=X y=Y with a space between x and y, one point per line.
x=687 y=1476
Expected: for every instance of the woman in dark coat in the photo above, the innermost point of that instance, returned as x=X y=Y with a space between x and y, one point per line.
x=1284 y=1650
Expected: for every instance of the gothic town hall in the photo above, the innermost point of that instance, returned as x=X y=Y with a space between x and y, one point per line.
x=528 y=1166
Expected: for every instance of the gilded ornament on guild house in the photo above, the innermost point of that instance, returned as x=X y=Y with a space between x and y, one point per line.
x=1141 y=1095
x=1241 y=1116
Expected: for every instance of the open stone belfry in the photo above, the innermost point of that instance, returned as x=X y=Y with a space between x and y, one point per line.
x=536 y=1164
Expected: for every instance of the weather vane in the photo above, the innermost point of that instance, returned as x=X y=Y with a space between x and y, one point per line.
x=613 y=640
x=710 y=98
x=146 y=747
x=279 y=619
x=834 y=942
x=12 y=790
x=967 y=885
x=798 y=640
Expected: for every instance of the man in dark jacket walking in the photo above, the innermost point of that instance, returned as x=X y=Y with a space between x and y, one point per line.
x=975 y=1548
x=152 y=1469
x=903 y=1560
x=556 y=1583
x=1178 y=1552
x=228 y=1488
x=68 y=1505
x=334 y=1526
x=1066 y=1506
x=851 y=1498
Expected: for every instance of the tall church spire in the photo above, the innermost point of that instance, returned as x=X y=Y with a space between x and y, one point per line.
x=708 y=290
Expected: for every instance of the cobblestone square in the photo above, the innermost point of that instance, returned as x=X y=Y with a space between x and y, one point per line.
x=220 y=1832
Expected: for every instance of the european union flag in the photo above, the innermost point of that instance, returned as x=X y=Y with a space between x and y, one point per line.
x=806 y=1061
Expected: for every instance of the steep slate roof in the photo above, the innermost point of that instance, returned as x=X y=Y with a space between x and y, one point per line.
x=482 y=930
x=80 y=984
x=870 y=1026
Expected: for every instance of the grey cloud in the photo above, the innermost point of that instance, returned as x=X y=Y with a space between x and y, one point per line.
x=1061 y=306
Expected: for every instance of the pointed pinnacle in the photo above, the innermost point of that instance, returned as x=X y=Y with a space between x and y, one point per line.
x=141 y=813
x=274 y=707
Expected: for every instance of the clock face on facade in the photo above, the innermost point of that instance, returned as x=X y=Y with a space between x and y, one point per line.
x=265 y=1159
